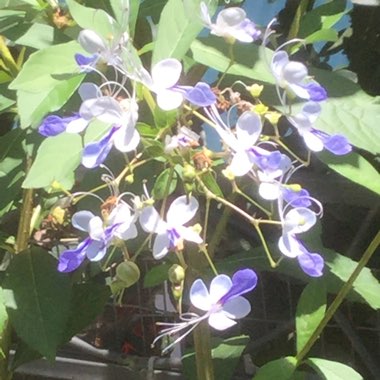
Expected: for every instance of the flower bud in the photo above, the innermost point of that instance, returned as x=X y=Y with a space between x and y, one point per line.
x=128 y=273
x=273 y=117
x=189 y=172
x=129 y=179
x=176 y=274
x=255 y=90
x=260 y=109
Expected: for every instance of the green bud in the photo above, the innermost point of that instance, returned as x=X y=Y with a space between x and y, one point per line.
x=129 y=178
x=176 y=274
x=177 y=291
x=189 y=172
x=128 y=273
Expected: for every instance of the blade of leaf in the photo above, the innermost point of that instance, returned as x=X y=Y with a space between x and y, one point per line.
x=310 y=310
x=331 y=370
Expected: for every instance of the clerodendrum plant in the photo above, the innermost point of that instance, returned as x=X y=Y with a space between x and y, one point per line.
x=142 y=116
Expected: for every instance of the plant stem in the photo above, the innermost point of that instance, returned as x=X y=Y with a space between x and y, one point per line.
x=203 y=357
x=339 y=297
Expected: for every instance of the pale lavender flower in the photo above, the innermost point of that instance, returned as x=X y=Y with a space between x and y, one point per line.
x=293 y=77
x=223 y=304
x=172 y=232
x=315 y=139
x=120 y=224
x=231 y=23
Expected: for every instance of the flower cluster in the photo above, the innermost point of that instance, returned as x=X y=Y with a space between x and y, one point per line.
x=115 y=102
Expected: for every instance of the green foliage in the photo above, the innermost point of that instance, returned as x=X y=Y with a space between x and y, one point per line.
x=311 y=309
x=225 y=354
x=280 y=369
x=175 y=34
x=156 y=275
x=45 y=88
x=331 y=370
x=54 y=150
x=165 y=184
x=37 y=297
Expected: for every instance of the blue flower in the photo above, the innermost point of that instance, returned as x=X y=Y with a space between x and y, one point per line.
x=54 y=125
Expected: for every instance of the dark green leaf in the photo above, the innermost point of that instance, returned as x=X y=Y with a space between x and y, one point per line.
x=311 y=309
x=165 y=184
x=37 y=297
x=280 y=369
x=210 y=182
x=175 y=34
x=56 y=160
x=333 y=370
x=156 y=275
x=87 y=302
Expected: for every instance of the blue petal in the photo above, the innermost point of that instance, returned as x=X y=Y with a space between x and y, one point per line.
x=297 y=198
x=71 y=259
x=338 y=145
x=243 y=281
x=95 y=153
x=311 y=263
x=316 y=91
x=52 y=126
x=201 y=95
x=83 y=60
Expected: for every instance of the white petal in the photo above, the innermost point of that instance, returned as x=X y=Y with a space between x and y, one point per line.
x=248 y=129
x=220 y=321
x=120 y=214
x=199 y=295
x=189 y=234
x=313 y=142
x=182 y=210
x=96 y=229
x=160 y=246
x=230 y=17
x=240 y=164
x=237 y=308
x=294 y=72
x=205 y=15
x=312 y=110
x=289 y=246
x=91 y=42
x=299 y=91
x=151 y=221
x=240 y=34
x=169 y=100
x=219 y=286
x=77 y=125
x=269 y=191
x=96 y=250
x=279 y=60
x=126 y=139
x=166 y=73
x=126 y=233
x=81 y=220
x=299 y=220
x=88 y=90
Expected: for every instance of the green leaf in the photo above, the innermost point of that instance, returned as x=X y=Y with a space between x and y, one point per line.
x=338 y=269
x=94 y=19
x=4 y=321
x=354 y=167
x=322 y=17
x=211 y=183
x=56 y=160
x=24 y=354
x=175 y=34
x=46 y=81
x=322 y=35
x=162 y=188
x=5 y=103
x=225 y=354
x=32 y=107
x=11 y=168
x=37 y=297
x=87 y=302
x=156 y=275
x=249 y=59
x=126 y=12
x=45 y=68
x=38 y=36
x=279 y=369
x=311 y=309
x=356 y=116
x=333 y=370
